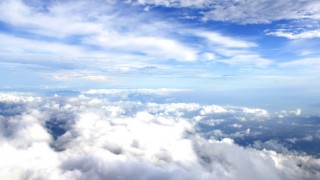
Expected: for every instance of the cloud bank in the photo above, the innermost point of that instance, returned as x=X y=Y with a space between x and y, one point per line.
x=84 y=137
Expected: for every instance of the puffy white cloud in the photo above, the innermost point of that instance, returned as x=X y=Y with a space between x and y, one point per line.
x=102 y=139
x=235 y=113
x=18 y=98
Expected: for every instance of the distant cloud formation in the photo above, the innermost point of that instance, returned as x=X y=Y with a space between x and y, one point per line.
x=84 y=137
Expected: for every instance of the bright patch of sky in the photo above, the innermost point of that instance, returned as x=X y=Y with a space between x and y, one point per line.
x=208 y=44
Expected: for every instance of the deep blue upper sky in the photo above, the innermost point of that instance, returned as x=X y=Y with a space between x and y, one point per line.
x=210 y=44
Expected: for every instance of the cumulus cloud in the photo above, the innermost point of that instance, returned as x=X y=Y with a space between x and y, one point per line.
x=83 y=137
x=234 y=113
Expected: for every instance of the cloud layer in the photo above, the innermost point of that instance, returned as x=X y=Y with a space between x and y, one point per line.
x=81 y=137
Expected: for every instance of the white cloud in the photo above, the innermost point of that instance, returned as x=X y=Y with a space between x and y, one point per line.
x=209 y=56
x=236 y=51
x=173 y=3
x=18 y=98
x=236 y=125
x=252 y=12
x=105 y=139
x=270 y=145
x=292 y=35
x=37 y=22
x=160 y=92
x=309 y=62
x=96 y=78
x=12 y=45
x=225 y=41
x=248 y=60
x=246 y=11
x=156 y=48
x=103 y=28
x=76 y=76
x=106 y=35
x=284 y=113
x=297 y=29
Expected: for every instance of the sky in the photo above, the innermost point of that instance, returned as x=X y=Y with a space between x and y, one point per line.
x=205 y=44
x=159 y=89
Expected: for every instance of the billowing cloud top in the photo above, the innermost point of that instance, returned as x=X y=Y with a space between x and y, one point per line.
x=82 y=137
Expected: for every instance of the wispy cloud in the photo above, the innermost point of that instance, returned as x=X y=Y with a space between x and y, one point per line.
x=297 y=29
x=246 y=11
x=302 y=35
x=109 y=42
x=106 y=39
x=224 y=41
x=83 y=76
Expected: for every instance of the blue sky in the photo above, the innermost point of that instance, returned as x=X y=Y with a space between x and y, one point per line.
x=207 y=44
